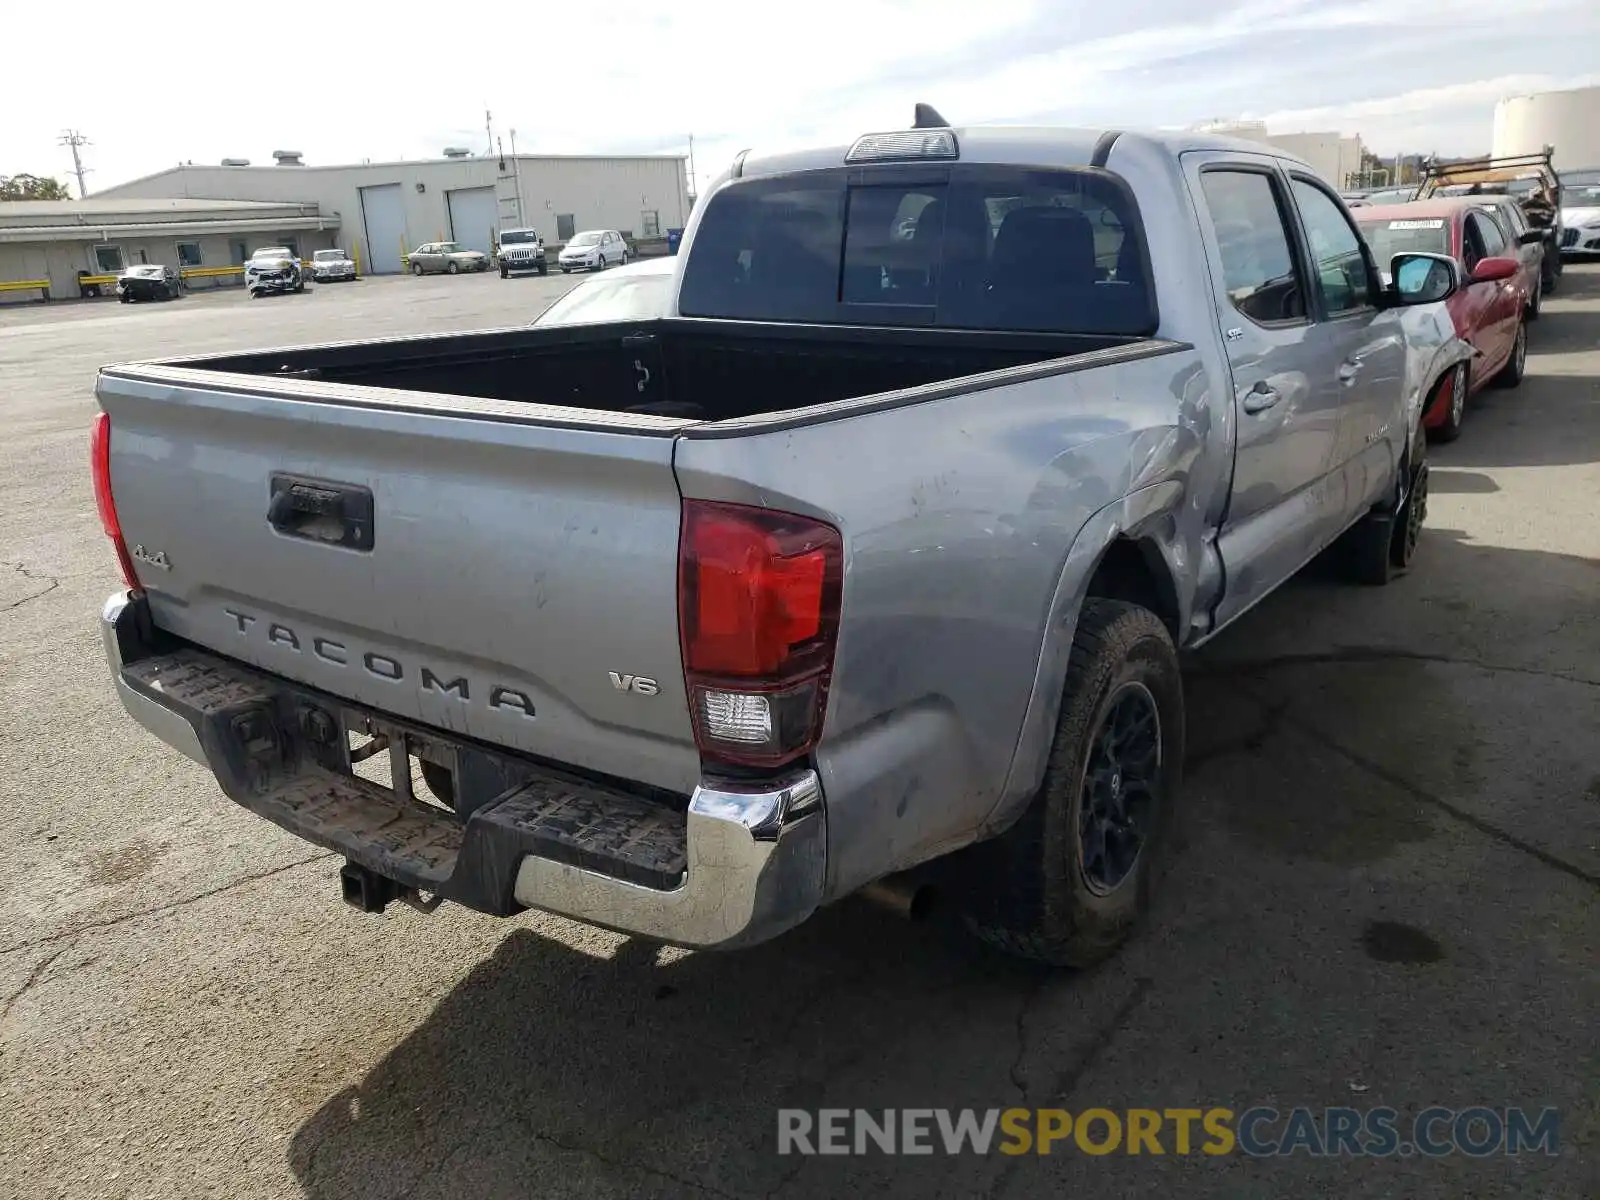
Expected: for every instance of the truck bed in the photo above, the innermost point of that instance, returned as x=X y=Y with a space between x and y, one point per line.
x=690 y=369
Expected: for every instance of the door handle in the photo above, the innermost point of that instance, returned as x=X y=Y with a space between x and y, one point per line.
x=1260 y=398
x=1349 y=369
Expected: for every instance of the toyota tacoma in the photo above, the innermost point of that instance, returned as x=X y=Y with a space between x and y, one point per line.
x=869 y=561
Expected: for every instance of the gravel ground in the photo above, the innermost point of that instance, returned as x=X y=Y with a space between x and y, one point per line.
x=1387 y=894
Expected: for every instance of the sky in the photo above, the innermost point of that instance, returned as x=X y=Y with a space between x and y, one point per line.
x=342 y=81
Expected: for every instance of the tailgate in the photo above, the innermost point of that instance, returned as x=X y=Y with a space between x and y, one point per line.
x=459 y=563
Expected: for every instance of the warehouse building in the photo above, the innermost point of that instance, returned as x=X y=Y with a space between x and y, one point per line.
x=1336 y=157
x=382 y=210
x=58 y=249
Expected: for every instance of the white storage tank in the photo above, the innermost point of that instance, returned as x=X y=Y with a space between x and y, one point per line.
x=1568 y=121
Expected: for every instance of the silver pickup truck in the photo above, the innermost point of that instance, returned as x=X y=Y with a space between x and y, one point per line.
x=875 y=554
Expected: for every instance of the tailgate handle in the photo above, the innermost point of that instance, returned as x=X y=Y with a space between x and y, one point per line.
x=319 y=510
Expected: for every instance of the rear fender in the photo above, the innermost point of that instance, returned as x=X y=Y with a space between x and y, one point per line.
x=1145 y=516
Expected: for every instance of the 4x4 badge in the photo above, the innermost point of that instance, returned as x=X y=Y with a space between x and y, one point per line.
x=153 y=558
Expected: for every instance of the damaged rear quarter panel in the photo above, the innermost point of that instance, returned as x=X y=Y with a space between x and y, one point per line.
x=957 y=516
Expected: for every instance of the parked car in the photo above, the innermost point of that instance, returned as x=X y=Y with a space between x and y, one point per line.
x=273 y=270
x=1528 y=246
x=1580 y=213
x=450 y=258
x=149 y=282
x=1487 y=311
x=593 y=250
x=694 y=677
x=521 y=250
x=331 y=266
x=637 y=291
x=1398 y=195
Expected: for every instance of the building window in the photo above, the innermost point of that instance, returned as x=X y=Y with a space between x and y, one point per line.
x=239 y=251
x=108 y=259
x=189 y=254
x=566 y=226
x=650 y=223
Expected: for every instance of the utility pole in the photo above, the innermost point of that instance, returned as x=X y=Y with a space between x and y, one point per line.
x=694 y=189
x=73 y=138
x=488 y=130
x=516 y=178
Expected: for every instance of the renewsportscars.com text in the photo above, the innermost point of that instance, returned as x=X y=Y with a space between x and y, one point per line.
x=1259 y=1132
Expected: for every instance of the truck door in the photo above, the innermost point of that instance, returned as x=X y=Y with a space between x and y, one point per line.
x=1364 y=374
x=1280 y=507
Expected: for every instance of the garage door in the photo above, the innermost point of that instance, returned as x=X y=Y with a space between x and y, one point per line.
x=473 y=215
x=383 y=212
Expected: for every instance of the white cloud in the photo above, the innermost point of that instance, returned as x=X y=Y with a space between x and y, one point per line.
x=346 y=80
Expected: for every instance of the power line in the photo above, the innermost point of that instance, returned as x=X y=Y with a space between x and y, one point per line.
x=73 y=138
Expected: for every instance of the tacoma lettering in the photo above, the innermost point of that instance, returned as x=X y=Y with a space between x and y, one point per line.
x=393 y=670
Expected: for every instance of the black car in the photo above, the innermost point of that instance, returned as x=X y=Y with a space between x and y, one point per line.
x=152 y=282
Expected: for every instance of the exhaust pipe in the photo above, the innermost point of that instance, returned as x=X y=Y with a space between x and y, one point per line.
x=900 y=894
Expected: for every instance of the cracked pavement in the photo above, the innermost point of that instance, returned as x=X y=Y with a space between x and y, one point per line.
x=189 y=1010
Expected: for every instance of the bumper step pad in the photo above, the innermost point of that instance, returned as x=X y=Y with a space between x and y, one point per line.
x=250 y=726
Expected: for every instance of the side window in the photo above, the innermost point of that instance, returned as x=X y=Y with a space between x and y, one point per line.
x=1339 y=266
x=1472 y=243
x=1257 y=264
x=1513 y=216
x=1494 y=242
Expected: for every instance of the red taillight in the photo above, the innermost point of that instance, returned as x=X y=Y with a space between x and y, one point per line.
x=758 y=607
x=100 y=465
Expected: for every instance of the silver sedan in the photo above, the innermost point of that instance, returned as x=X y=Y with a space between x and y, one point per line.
x=449 y=258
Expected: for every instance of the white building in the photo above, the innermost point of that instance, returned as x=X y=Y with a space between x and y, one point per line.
x=1334 y=156
x=1569 y=121
x=383 y=210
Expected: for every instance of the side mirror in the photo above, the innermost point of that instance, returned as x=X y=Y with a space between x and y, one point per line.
x=1424 y=278
x=1531 y=238
x=1493 y=269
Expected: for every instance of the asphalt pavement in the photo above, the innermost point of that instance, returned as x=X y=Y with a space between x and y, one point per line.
x=1386 y=893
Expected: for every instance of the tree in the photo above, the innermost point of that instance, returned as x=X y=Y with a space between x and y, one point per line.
x=32 y=187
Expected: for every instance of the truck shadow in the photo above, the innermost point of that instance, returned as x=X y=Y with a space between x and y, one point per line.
x=547 y=1061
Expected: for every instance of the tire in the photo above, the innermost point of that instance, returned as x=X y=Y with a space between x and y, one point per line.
x=1381 y=546
x=544 y=269
x=1510 y=375
x=1052 y=888
x=1531 y=310
x=1407 y=532
x=416 y=269
x=504 y=274
x=453 y=267
x=1460 y=384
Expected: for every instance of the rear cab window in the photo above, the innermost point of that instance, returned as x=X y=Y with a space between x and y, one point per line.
x=968 y=246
